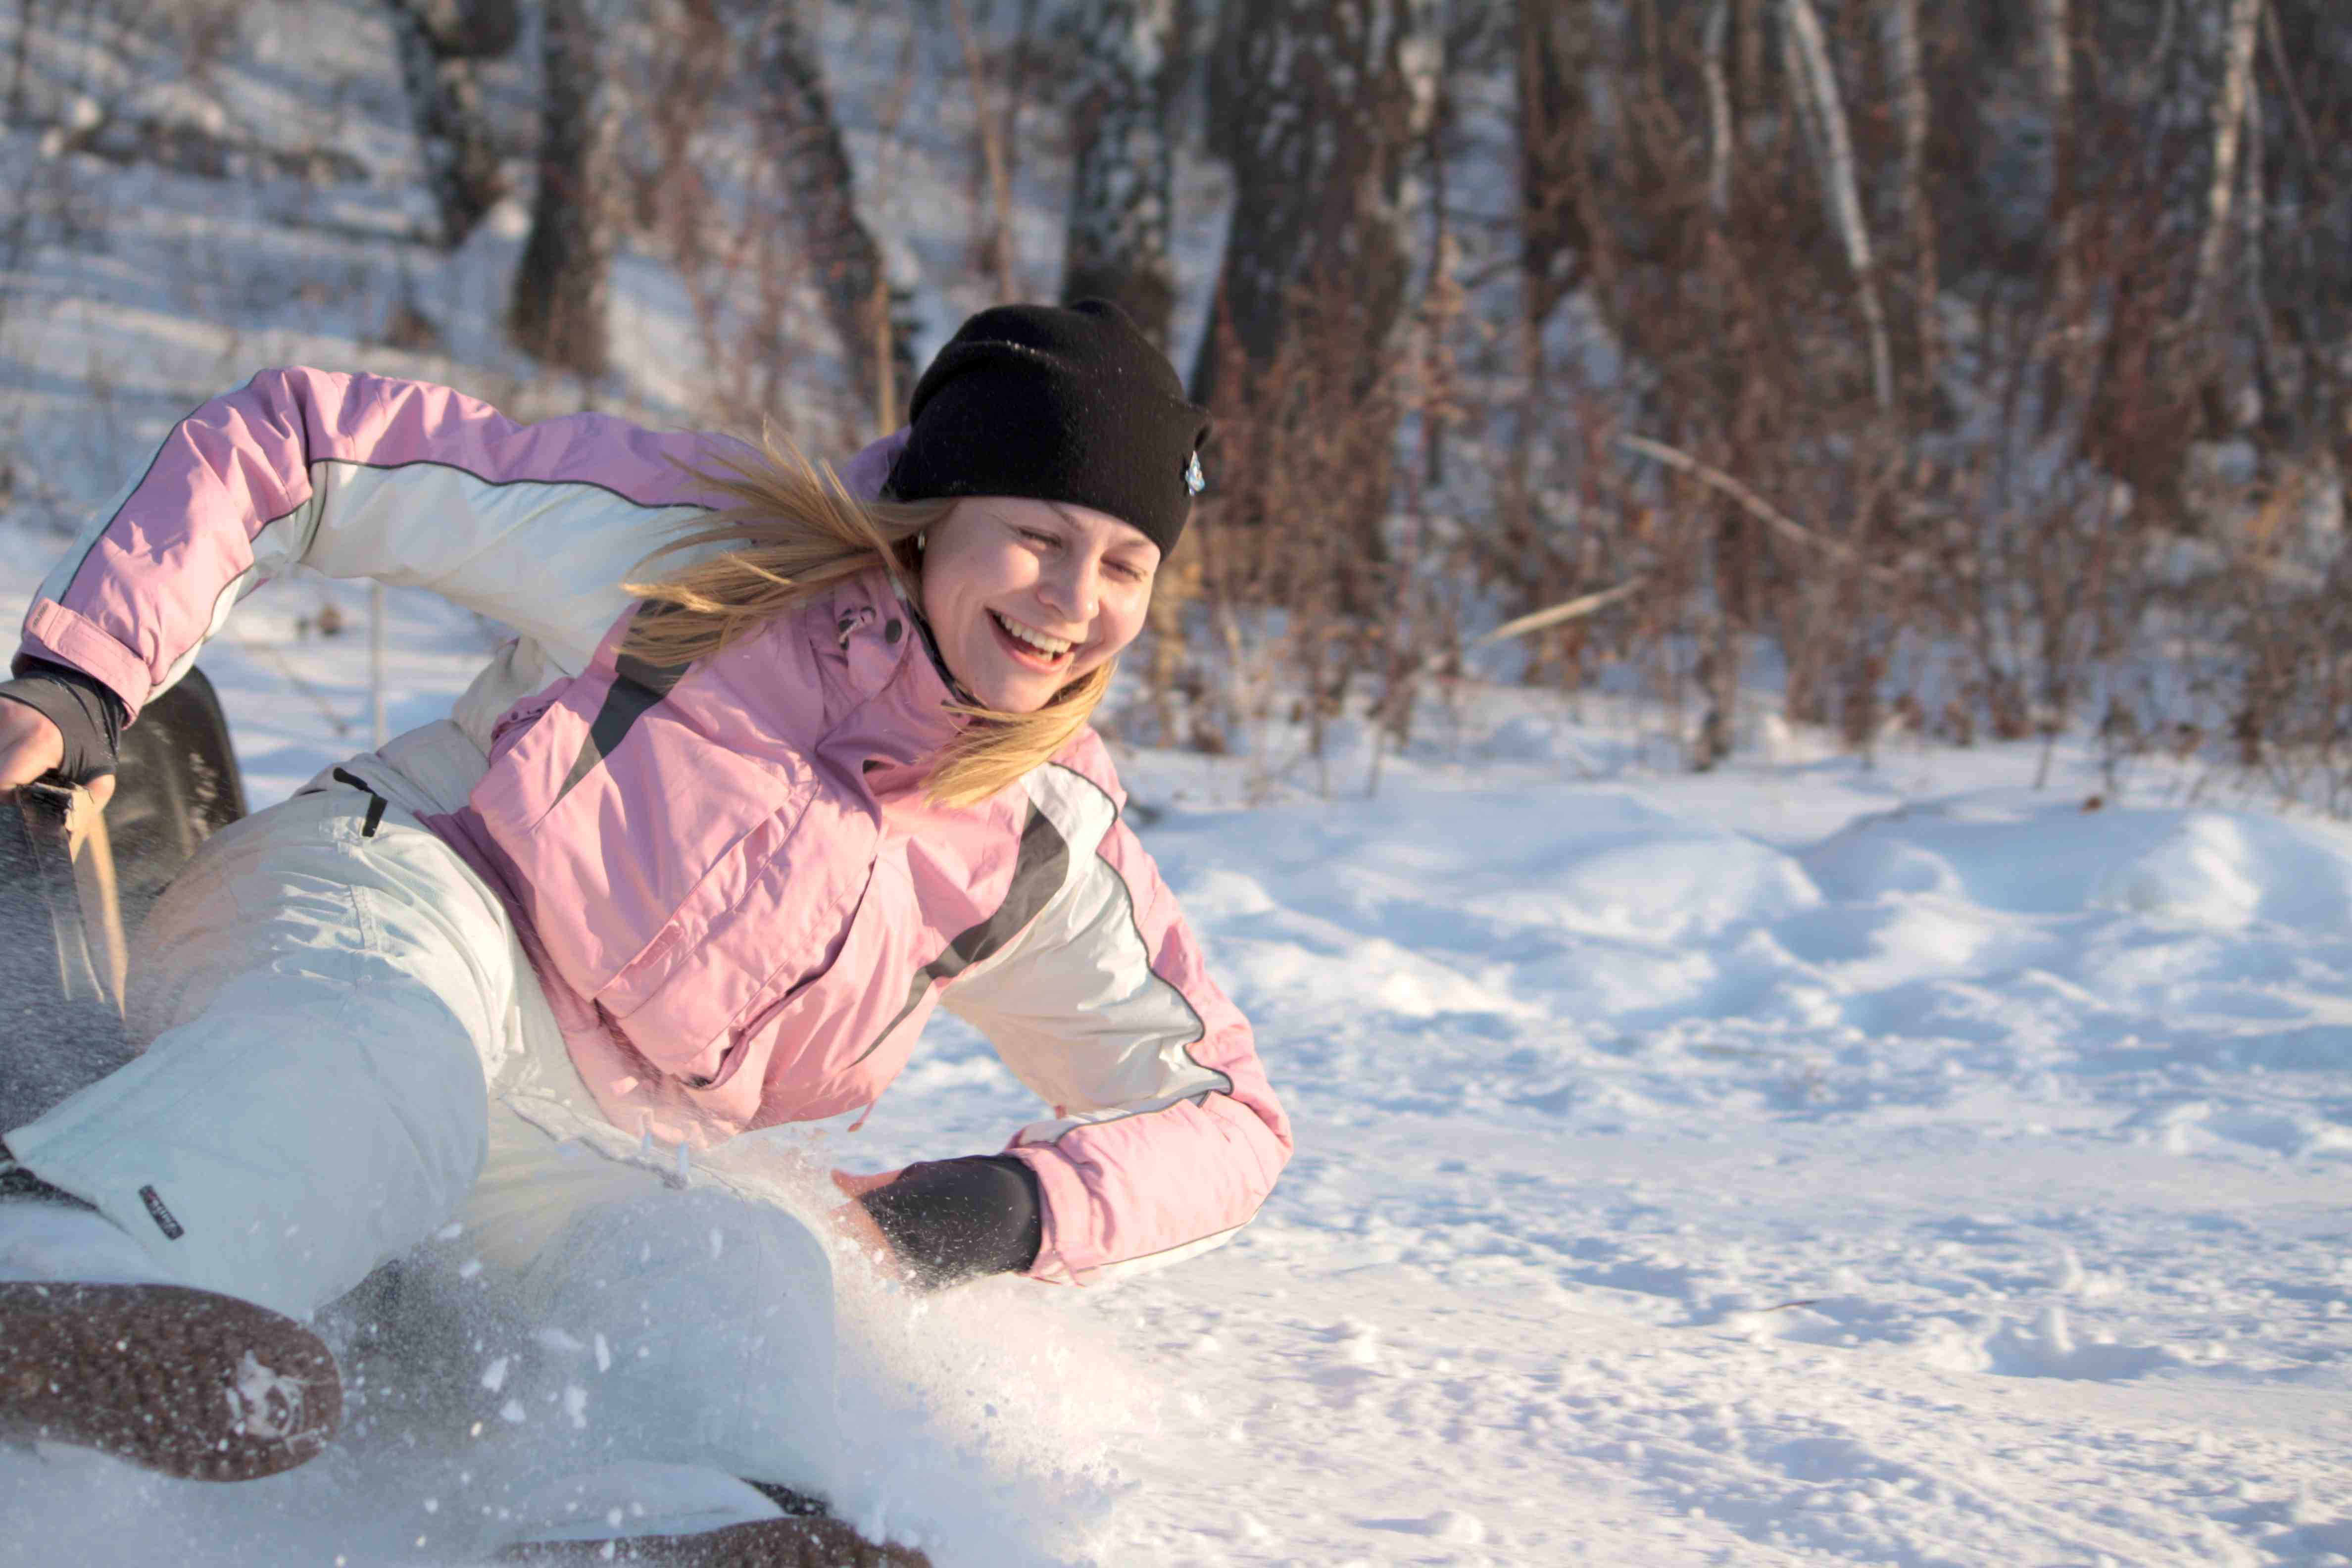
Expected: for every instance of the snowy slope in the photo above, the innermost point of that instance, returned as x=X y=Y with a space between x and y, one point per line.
x=1803 y=1164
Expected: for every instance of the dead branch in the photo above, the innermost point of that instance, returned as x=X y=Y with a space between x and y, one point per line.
x=1574 y=610
x=1754 y=505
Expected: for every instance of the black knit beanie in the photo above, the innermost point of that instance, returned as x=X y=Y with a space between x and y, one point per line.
x=1056 y=402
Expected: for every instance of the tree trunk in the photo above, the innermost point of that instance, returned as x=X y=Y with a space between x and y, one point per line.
x=564 y=286
x=461 y=164
x=2054 y=59
x=469 y=29
x=819 y=193
x=1814 y=80
x=1121 y=188
x=1915 y=221
x=1553 y=54
x=2228 y=128
x=1713 y=34
x=1316 y=104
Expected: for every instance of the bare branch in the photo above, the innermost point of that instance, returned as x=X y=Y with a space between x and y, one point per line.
x=1575 y=609
x=1754 y=505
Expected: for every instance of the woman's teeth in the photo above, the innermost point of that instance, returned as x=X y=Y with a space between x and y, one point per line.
x=1050 y=647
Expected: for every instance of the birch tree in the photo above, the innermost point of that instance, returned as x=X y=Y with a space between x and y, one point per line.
x=1913 y=216
x=2229 y=128
x=1122 y=184
x=563 y=288
x=1713 y=34
x=1814 y=80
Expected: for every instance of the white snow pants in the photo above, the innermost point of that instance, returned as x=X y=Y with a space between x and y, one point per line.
x=342 y=1023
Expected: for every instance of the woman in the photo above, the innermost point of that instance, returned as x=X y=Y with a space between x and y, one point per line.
x=674 y=868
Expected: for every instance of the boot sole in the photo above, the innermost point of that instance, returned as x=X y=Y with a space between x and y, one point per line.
x=201 y=1386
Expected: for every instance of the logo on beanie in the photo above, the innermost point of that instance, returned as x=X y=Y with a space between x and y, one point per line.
x=1194 y=481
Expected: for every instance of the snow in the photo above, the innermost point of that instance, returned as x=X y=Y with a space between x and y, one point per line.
x=1804 y=1162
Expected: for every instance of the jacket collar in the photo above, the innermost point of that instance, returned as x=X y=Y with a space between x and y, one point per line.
x=899 y=716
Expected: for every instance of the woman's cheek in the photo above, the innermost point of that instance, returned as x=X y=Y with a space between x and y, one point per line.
x=1130 y=620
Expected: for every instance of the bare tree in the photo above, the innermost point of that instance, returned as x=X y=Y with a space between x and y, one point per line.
x=1555 y=49
x=1915 y=221
x=1316 y=105
x=2228 y=129
x=1120 y=191
x=818 y=191
x=563 y=288
x=469 y=29
x=1814 y=77
x=438 y=43
x=1719 y=135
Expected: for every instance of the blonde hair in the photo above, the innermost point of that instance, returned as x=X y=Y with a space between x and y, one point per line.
x=796 y=531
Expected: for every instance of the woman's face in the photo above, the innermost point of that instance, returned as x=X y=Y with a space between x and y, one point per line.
x=1025 y=595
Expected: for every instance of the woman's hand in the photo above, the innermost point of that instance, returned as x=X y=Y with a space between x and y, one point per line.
x=30 y=746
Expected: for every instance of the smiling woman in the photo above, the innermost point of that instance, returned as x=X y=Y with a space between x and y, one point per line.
x=1051 y=464
x=696 y=854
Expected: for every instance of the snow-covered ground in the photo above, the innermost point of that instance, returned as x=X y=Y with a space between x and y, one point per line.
x=1801 y=1163
x=1805 y=1163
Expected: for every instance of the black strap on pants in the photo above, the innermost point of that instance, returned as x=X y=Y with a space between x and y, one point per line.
x=376 y=803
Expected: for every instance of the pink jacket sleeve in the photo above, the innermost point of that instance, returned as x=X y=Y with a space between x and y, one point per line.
x=1166 y=1135
x=358 y=475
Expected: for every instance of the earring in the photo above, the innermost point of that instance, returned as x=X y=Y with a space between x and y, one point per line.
x=922 y=542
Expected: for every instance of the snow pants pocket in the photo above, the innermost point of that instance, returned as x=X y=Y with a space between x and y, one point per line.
x=322 y=1005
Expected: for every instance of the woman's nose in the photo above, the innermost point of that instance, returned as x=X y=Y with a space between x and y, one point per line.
x=1073 y=587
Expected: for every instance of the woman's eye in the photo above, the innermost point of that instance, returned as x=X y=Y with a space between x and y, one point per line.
x=1034 y=537
x=1125 y=572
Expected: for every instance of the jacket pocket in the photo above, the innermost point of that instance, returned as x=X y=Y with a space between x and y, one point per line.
x=770 y=1027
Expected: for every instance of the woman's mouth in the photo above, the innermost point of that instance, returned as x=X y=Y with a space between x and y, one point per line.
x=1029 y=646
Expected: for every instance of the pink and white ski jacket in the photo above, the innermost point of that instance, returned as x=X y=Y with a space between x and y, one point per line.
x=739 y=902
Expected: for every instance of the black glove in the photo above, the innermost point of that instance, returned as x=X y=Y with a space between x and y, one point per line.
x=86 y=712
x=952 y=1220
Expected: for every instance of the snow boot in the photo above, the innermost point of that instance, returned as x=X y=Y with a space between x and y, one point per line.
x=806 y=1537
x=96 y=1352
x=811 y=1542
x=200 y=1386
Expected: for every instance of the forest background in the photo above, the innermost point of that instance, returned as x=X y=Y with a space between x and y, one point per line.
x=1974 y=371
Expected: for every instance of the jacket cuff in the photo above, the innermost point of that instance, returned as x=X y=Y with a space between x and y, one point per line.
x=1063 y=1255
x=89 y=715
x=53 y=632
